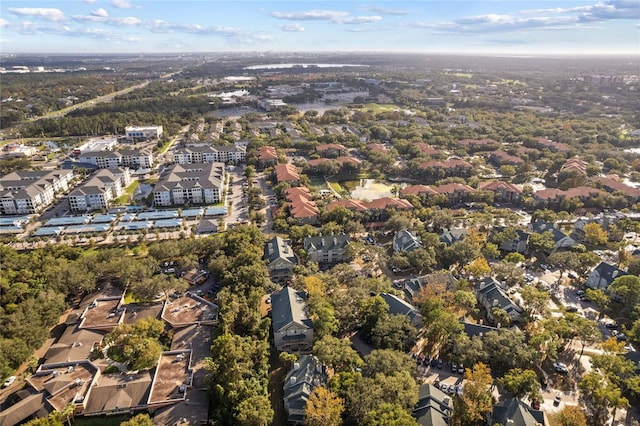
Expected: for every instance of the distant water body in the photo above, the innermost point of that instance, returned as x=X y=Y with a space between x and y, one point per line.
x=285 y=66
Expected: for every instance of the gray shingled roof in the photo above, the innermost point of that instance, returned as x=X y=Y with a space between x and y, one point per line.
x=514 y=412
x=287 y=306
x=306 y=374
x=398 y=306
x=326 y=242
x=406 y=241
x=278 y=248
x=434 y=407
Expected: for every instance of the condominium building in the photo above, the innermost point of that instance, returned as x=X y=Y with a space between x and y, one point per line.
x=210 y=154
x=133 y=159
x=98 y=191
x=190 y=184
x=143 y=132
x=27 y=192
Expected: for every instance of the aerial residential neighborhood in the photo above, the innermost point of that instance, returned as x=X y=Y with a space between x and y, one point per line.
x=321 y=240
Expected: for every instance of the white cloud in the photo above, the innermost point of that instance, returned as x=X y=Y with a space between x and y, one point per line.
x=386 y=11
x=129 y=20
x=311 y=15
x=90 y=1
x=100 y=12
x=359 y=20
x=121 y=4
x=293 y=27
x=50 y=14
x=3 y=23
x=335 y=16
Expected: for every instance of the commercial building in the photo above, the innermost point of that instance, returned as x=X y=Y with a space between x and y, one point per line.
x=143 y=132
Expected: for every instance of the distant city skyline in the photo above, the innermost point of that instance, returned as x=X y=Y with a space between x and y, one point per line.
x=171 y=26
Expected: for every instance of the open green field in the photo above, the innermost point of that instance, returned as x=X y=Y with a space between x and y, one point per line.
x=376 y=108
x=126 y=196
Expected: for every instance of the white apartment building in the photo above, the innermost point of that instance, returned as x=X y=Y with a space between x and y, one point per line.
x=210 y=154
x=190 y=184
x=28 y=192
x=97 y=192
x=123 y=158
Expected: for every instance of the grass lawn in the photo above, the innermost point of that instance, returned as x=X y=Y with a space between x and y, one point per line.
x=376 y=108
x=336 y=187
x=124 y=198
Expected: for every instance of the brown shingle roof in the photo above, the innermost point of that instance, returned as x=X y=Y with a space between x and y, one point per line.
x=418 y=190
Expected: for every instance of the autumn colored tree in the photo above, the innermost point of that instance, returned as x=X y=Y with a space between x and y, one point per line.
x=594 y=235
x=571 y=415
x=324 y=408
x=476 y=399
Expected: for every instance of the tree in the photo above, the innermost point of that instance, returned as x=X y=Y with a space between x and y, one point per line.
x=514 y=258
x=388 y=362
x=571 y=415
x=393 y=332
x=254 y=411
x=627 y=287
x=479 y=268
x=594 y=235
x=601 y=394
x=389 y=415
x=324 y=408
x=371 y=310
x=476 y=398
x=563 y=260
x=535 y=299
x=521 y=383
x=139 y=420
x=541 y=243
x=337 y=353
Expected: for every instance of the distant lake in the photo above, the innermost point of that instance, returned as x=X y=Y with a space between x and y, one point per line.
x=286 y=66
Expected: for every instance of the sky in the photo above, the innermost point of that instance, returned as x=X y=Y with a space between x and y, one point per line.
x=517 y=27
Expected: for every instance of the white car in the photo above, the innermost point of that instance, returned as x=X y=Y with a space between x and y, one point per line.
x=9 y=381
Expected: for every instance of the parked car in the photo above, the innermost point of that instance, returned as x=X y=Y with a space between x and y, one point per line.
x=580 y=292
x=459 y=389
x=461 y=369
x=611 y=325
x=440 y=363
x=9 y=381
x=535 y=404
x=557 y=399
x=454 y=367
x=434 y=362
x=560 y=368
x=444 y=388
x=621 y=337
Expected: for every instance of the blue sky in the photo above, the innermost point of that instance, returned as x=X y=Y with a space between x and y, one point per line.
x=454 y=26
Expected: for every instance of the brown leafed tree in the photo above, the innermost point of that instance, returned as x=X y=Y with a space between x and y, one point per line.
x=324 y=408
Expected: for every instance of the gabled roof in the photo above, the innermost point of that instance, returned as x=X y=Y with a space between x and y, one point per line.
x=326 y=242
x=418 y=190
x=491 y=290
x=406 y=241
x=433 y=408
x=541 y=227
x=514 y=412
x=286 y=172
x=388 y=203
x=498 y=185
x=426 y=149
x=278 y=248
x=289 y=306
x=306 y=374
x=266 y=153
x=348 y=204
x=450 y=236
x=398 y=306
x=448 y=164
x=609 y=272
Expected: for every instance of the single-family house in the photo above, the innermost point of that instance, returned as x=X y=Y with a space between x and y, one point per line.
x=515 y=245
x=292 y=327
x=280 y=259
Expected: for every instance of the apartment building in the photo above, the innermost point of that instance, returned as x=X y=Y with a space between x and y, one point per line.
x=210 y=154
x=143 y=132
x=28 y=192
x=99 y=190
x=190 y=184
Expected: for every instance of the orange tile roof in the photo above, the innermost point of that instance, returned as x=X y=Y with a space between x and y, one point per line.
x=299 y=191
x=418 y=190
x=496 y=185
x=448 y=164
x=353 y=160
x=267 y=153
x=615 y=185
x=388 y=202
x=286 y=173
x=477 y=142
x=427 y=149
x=378 y=147
x=347 y=204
